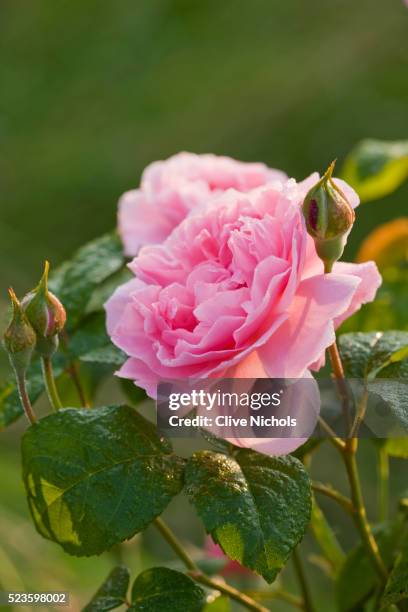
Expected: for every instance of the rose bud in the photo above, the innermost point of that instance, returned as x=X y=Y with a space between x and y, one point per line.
x=19 y=338
x=46 y=315
x=329 y=218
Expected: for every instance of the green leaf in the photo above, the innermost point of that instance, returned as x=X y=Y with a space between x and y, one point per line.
x=358 y=579
x=108 y=355
x=396 y=590
x=381 y=358
x=218 y=444
x=89 y=336
x=371 y=354
x=76 y=280
x=135 y=395
x=376 y=168
x=104 y=291
x=90 y=343
x=389 y=398
x=96 y=477
x=254 y=506
x=164 y=590
x=219 y=604
x=112 y=592
x=355 y=351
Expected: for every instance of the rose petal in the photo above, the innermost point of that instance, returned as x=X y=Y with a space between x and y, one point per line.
x=309 y=329
x=118 y=301
x=370 y=279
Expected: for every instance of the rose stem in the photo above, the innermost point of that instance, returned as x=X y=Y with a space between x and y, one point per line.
x=349 y=455
x=24 y=398
x=337 y=442
x=197 y=574
x=50 y=383
x=338 y=369
x=341 y=499
x=360 y=514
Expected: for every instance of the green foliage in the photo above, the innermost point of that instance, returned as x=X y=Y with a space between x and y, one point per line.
x=134 y=394
x=255 y=507
x=94 y=478
x=112 y=593
x=397 y=585
x=216 y=443
x=75 y=281
x=89 y=343
x=371 y=354
x=87 y=177
x=376 y=168
x=388 y=398
x=108 y=355
x=164 y=590
x=357 y=579
x=89 y=336
x=381 y=358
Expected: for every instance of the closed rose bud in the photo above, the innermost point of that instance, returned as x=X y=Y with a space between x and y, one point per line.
x=19 y=338
x=46 y=315
x=329 y=218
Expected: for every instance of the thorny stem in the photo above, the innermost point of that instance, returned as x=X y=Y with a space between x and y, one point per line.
x=338 y=370
x=329 y=491
x=360 y=514
x=341 y=384
x=50 y=383
x=349 y=456
x=195 y=572
x=359 y=511
x=301 y=576
x=24 y=398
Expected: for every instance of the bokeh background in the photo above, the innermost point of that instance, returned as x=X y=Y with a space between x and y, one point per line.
x=91 y=92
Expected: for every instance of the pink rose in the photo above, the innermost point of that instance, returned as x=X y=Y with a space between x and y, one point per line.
x=171 y=189
x=236 y=290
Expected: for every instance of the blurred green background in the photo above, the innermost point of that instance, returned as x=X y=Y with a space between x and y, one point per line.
x=94 y=91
